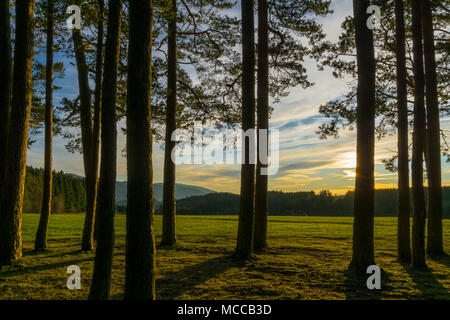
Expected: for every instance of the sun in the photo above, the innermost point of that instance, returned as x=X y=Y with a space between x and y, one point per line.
x=349 y=160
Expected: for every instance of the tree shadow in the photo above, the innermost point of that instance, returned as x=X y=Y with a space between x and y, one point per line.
x=174 y=284
x=444 y=260
x=355 y=285
x=18 y=270
x=427 y=283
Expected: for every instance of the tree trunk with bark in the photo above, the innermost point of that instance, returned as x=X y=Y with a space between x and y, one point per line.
x=244 y=246
x=106 y=206
x=46 y=208
x=87 y=140
x=14 y=180
x=98 y=94
x=169 y=211
x=5 y=83
x=403 y=226
x=435 y=245
x=363 y=246
x=418 y=230
x=261 y=200
x=140 y=243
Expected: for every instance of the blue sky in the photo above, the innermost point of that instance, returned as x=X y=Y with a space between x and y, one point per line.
x=306 y=162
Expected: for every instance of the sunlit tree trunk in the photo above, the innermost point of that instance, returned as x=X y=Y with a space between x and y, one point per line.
x=86 y=139
x=14 y=180
x=41 y=235
x=403 y=226
x=98 y=93
x=363 y=246
x=418 y=230
x=5 y=83
x=261 y=202
x=140 y=243
x=106 y=205
x=168 y=230
x=244 y=246
x=435 y=245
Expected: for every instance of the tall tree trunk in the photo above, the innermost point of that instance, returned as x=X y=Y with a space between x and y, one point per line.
x=5 y=83
x=244 y=246
x=261 y=201
x=403 y=226
x=418 y=230
x=87 y=140
x=14 y=180
x=363 y=246
x=435 y=246
x=140 y=243
x=98 y=93
x=106 y=191
x=168 y=230
x=41 y=235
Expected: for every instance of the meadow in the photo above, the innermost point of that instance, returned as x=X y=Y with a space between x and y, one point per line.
x=308 y=258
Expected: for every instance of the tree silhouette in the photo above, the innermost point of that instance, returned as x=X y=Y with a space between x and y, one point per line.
x=41 y=234
x=434 y=244
x=244 y=245
x=5 y=83
x=14 y=180
x=168 y=233
x=106 y=206
x=87 y=138
x=403 y=226
x=363 y=246
x=261 y=187
x=418 y=230
x=140 y=243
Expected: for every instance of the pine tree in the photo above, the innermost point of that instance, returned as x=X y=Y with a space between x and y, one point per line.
x=244 y=245
x=140 y=243
x=403 y=228
x=435 y=245
x=98 y=91
x=261 y=187
x=418 y=230
x=168 y=230
x=5 y=82
x=41 y=234
x=106 y=207
x=14 y=180
x=363 y=246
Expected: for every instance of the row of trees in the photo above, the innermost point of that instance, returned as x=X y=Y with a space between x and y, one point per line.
x=200 y=35
x=426 y=137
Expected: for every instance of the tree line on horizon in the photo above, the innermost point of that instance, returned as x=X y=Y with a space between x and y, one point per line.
x=137 y=64
x=69 y=196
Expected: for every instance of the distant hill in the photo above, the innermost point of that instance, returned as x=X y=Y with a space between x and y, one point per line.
x=181 y=191
x=304 y=203
x=69 y=193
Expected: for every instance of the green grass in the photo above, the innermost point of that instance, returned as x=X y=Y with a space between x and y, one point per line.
x=307 y=259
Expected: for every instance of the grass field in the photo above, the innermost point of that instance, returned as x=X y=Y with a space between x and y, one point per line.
x=307 y=259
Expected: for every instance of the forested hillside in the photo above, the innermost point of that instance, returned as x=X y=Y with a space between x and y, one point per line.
x=69 y=193
x=306 y=203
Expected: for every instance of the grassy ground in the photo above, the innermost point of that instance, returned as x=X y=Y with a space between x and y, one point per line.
x=307 y=259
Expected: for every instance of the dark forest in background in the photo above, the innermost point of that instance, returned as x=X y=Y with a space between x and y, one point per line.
x=69 y=196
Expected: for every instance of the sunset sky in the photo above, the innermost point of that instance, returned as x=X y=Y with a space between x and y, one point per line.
x=306 y=162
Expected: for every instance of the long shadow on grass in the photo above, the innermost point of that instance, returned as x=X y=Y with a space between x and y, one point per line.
x=427 y=283
x=19 y=270
x=174 y=284
x=444 y=260
x=355 y=286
